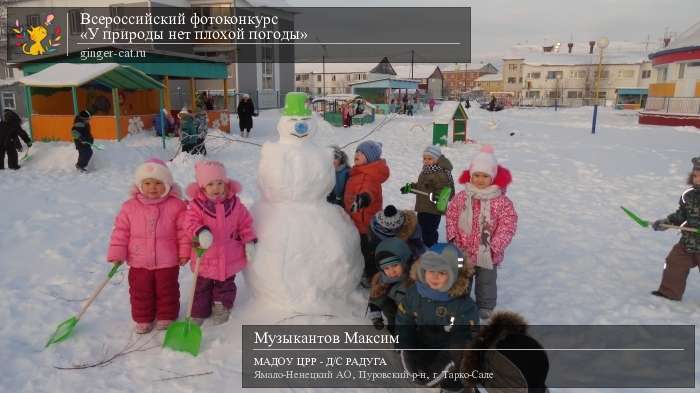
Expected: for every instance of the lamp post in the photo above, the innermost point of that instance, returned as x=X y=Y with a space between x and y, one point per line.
x=603 y=43
x=556 y=93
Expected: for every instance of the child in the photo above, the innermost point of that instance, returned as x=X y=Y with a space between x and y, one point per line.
x=389 y=285
x=189 y=135
x=481 y=221
x=149 y=235
x=436 y=313
x=363 y=193
x=342 y=171
x=10 y=133
x=217 y=214
x=82 y=137
x=435 y=175
x=401 y=224
x=685 y=255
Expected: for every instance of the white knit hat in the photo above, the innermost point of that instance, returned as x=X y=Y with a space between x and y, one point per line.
x=485 y=162
x=154 y=169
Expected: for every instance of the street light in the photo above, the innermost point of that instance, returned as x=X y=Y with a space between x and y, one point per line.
x=603 y=43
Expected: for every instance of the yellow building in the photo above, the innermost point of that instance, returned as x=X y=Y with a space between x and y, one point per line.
x=490 y=83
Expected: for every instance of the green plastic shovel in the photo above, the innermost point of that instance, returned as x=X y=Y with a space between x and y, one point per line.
x=443 y=198
x=647 y=224
x=98 y=146
x=186 y=336
x=64 y=330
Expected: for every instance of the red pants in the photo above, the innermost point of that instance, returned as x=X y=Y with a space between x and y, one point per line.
x=155 y=294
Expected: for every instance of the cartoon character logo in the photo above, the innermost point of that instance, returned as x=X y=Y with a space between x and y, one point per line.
x=31 y=38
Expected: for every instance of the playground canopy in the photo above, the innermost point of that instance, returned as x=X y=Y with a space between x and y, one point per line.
x=110 y=75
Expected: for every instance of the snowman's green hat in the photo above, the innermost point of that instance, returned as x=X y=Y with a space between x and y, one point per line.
x=295 y=105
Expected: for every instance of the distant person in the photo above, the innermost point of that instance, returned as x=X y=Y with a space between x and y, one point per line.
x=492 y=104
x=189 y=137
x=10 y=133
x=82 y=137
x=246 y=111
x=342 y=172
x=431 y=103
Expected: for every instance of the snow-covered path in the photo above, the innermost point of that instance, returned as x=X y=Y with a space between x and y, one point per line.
x=576 y=259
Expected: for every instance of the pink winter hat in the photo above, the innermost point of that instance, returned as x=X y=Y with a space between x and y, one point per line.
x=154 y=168
x=485 y=162
x=207 y=171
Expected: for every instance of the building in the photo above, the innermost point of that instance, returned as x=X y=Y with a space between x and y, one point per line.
x=490 y=83
x=267 y=81
x=459 y=80
x=674 y=97
x=336 y=78
x=551 y=75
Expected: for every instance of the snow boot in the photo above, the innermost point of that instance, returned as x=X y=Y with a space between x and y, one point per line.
x=485 y=314
x=162 y=325
x=659 y=294
x=219 y=313
x=247 y=134
x=144 y=327
x=81 y=169
x=242 y=134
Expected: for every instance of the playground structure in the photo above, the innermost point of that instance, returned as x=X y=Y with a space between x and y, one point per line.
x=331 y=107
x=450 y=123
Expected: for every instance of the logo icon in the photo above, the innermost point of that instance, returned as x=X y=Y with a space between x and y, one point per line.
x=31 y=38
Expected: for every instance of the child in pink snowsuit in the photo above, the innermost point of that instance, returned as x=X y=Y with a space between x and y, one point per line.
x=217 y=217
x=481 y=221
x=149 y=235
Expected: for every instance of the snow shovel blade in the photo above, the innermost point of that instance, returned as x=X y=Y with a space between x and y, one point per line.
x=63 y=331
x=443 y=199
x=184 y=336
x=636 y=218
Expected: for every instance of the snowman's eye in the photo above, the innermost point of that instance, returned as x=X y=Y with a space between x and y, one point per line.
x=301 y=127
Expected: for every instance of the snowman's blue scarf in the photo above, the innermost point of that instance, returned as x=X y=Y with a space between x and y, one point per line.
x=430 y=293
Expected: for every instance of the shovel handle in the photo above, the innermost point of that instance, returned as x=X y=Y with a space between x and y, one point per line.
x=194 y=284
x=97 y=291
x=428 y=194
x=693 y=230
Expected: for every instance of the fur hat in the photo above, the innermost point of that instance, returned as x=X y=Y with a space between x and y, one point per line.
x=696 y=163
x=432 y=151
x=207 y=171
x=485 y=162
x=371 y=150
x=154 y=168
x=392 y=251
x=388 y=222
x=442 y=257
x=184 y=112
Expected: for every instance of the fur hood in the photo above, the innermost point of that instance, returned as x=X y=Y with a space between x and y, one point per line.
x=461 y=285
x=502 y=180
x=194 y=191
x=408 y=229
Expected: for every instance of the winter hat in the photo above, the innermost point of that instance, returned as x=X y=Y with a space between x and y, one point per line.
x=184 y=112
x=207 y=171
x=696 y=163
x=154 y=168
x=441 y=257
x=392 y=251
x=371 y=150
x=388 y=222
x=84 y=115
x=339 y=154
x=433 y=151
x=485 y=162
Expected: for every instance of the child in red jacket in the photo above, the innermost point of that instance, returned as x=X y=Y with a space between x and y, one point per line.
x=149 y=235
x=220 y=220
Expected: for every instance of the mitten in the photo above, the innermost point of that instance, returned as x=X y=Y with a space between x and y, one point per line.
x=657 y=225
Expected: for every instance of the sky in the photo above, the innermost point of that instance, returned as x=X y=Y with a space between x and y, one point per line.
x=499 y=24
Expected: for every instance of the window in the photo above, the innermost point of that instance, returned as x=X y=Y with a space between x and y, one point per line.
x=520 y=80
x=555 y=74
x=511 y=79
x=627 y=74
x=534 y=75
x=554 y=94
x=694 y=64
x=318 y=78
x=318 y=90
x=333 y=90
x=75 y=27
x=603 y=75
x=646 y=74
x=512 y=67
x=601 y=94
x=299 y=89
x=577 y=74
x=347 y=77
x=681 y=71
x=574 y=94
x=662 y=74
x=268 y=71
x=8 y=100
x=298 y=77
x=33 y=20
x=333 y=78
x=533 y=94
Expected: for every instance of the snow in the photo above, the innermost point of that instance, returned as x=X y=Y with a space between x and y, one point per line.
x=490 y=78
x=576 y=258
x=444 y=112
x=68 y=74
x=617 y=52
x=689 y=38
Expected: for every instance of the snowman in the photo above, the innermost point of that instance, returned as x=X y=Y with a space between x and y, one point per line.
x=308 y=257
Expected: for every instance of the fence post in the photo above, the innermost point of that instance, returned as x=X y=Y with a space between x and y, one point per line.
x=668 y=103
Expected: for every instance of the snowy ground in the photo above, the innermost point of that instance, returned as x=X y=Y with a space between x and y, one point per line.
x=576 y=259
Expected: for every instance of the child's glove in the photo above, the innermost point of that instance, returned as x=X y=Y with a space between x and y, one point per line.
x=205 y=238
x=657 y=225
x=406 y=188
x=361 y=201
